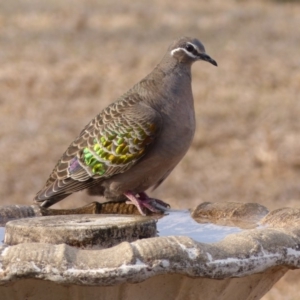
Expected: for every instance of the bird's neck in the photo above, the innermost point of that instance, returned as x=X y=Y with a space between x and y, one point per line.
x=169 y=86
x=170 y=75
x=171 y=67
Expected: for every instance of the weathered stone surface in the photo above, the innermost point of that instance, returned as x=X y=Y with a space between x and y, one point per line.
x=100 y=231
x=283 y=217
x=238 y=255
x=12 y=212
x=95 y=208
x=244 y=215
x=162 y=287
x=243 y=265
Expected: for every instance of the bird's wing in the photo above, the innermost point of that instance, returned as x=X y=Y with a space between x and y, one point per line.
x=110 y=144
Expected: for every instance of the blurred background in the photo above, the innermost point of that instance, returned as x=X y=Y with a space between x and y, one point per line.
x=62 y=62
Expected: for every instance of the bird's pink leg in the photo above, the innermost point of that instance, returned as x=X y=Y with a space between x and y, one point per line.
x=154 y=205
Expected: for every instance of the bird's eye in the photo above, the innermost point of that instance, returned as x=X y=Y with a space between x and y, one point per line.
x=189 y=48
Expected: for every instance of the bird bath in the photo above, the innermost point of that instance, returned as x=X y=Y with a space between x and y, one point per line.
x=176 y=222
x=216 y=251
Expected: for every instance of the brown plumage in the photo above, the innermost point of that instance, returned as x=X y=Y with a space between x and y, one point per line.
x=137 y=141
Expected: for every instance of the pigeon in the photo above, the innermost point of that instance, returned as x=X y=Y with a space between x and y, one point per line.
x=135 y=142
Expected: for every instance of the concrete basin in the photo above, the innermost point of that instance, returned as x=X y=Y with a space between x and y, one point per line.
x=215 y=251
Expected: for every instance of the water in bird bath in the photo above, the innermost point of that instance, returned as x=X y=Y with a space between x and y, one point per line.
x=2 y=232
x=180 y=222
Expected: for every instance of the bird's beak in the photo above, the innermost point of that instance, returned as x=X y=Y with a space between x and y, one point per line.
x=204 y=56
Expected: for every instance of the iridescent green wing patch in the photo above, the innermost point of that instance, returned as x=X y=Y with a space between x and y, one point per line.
x=117 y=149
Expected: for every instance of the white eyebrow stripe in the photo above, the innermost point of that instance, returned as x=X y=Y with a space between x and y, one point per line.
x=183 y=49
x=193 y=45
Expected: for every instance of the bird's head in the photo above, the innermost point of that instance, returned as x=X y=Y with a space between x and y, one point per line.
x=188 y=50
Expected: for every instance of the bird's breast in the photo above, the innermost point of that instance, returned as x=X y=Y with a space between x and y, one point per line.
x=177 y=131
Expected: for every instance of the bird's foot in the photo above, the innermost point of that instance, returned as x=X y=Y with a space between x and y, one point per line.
x=141 y=200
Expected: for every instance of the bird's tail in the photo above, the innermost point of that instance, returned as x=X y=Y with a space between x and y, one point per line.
x=51 y=201
x=60 y=189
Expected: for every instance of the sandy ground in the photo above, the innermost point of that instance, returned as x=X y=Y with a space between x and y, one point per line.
x=61 y=62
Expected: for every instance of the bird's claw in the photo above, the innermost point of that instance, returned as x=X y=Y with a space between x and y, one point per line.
x=143 y=201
